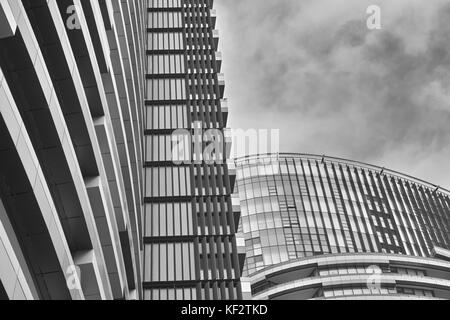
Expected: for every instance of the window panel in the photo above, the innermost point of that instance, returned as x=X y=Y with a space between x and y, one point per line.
x=164 y=179
x=170 y=218
x=155 y=219
x=163 y=262
x=166 y=117
x=165 y=41
x=158 y=4
x=178 y=222
x=192 y=261
x=155 y=262
x=176 y=191
x=166 y=89
x=178 y=254
x=175 y=218
x=171 y=262
x=182 y=180
x=147 y=263
x=184 y=220
x=162 y=221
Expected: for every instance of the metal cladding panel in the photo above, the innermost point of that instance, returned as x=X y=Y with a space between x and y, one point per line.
x=189 y=228
x=82 y=114
x=8 y=24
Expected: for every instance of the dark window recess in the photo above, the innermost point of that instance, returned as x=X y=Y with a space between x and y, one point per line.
x=3 y=294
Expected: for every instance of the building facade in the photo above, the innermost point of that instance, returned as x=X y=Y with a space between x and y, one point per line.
x=72 y=96
x=191 y=249
x=92 y=204
x=318 y=227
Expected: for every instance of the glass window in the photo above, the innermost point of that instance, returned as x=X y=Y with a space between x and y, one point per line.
x=357 y=291
x=154 y=212
x=166 y=89
x=147 y=264
x=170 y=224
x=184 y=219
x=338 y=292
x=165 y=41
x=164 y=3
x=328 y=294
x=191 y=253
x=171 y=262
x=163 y=262
x=171 y=294
x=178 y=253
x=185 y=264
x=343 y=271
x=155 y=262
x=165 y=181
x=182 y=180
x=162 y=221
x=348 y=292
x=177 y=219
x=165 y=64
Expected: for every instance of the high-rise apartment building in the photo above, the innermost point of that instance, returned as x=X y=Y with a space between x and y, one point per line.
x=190 y=222
x=93 y=205
x=318 y=227
x=72 y=92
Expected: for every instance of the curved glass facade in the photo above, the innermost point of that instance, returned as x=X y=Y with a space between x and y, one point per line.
x=354 y=276
x=295 y=206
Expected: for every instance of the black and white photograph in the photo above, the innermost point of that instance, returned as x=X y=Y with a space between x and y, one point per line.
x=225 y=158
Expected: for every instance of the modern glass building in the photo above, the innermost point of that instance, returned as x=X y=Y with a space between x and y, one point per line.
x=318 y=227
x=190 y=244
x=71 y=101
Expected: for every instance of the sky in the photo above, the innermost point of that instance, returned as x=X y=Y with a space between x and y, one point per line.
x=313 y=69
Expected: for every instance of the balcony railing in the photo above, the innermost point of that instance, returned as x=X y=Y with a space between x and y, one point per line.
x=224 y=108
x=213 y=17
x=221 y=79
x=219 y=60
x=215 y=33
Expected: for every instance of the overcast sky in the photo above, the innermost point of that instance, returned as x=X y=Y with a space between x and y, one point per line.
x=313 y=69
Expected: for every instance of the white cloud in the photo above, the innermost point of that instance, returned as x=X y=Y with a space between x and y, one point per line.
x=313 y=69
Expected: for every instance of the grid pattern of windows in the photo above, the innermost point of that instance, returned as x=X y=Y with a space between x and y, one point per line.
x=173 y=262
x=409 y=271
x=166 y=117
x=415 y=292
x=166 y=89
x=300 y=206
x=360 y=291
x=166 y=64
x=357 y=291
x=345 y=270
x=188 y=208
x=159 y=148
x=223 y=292
x=165 y=41
x=168 y=182
x=162 y=4
x=171 y=294
x=164 y=19
x=169 y=219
